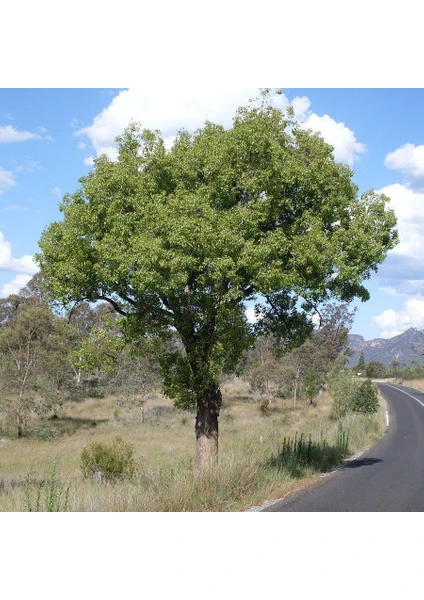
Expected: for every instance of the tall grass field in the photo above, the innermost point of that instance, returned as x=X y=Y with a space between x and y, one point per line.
x=268 y=448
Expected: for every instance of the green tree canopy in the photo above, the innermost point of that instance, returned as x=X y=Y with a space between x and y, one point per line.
x=178 y=240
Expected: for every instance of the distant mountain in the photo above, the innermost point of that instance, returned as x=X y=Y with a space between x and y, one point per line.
x=403 y=348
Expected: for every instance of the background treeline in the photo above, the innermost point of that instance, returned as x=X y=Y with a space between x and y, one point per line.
x=376 y=369
x=49 y=357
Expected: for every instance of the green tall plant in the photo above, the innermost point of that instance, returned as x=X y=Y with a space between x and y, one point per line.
x=179 y=240
x=50 y=494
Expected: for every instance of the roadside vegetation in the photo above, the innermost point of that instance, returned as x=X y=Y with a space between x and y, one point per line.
x=84 y=425
x=261 y=457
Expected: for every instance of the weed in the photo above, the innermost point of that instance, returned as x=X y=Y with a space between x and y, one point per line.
x=296 y=455
x=51 y=494
x=264 y=408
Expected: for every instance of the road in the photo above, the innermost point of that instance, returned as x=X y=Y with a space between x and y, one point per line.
x=388 y=477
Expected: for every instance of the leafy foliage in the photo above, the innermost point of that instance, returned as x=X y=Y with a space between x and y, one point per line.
x=112 y=461
x=365 y=399
x=178 y=240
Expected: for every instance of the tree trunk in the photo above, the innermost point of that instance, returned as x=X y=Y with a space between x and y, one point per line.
x=207 y=427
x=19 y=424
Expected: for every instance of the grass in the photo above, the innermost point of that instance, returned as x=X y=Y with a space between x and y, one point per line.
x=256 y=454
x=418 y=384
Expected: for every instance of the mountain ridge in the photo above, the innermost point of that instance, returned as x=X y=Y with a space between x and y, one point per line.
x=403 y=348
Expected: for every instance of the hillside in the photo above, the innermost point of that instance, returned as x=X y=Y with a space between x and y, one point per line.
x=403 y=348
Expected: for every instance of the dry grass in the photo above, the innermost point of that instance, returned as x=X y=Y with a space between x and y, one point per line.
x=418 y=384
x=164 y=448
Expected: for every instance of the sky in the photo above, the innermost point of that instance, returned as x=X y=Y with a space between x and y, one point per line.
x=48 y=138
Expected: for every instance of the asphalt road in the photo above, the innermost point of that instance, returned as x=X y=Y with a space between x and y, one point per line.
x=388 y=477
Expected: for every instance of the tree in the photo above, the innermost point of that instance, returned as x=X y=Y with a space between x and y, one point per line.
x=25 y=364
x=179 y=240
x=360 y=367
x=375 y=369
x=306 y=367
x=365 y=400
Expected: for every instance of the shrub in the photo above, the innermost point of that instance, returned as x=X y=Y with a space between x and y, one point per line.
x=264 y=408
x=343 y=387
x=112 y=461
x=365 y=399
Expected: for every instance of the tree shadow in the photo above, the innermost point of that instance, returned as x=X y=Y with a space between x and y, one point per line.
x=361 y=462
x=70 y=425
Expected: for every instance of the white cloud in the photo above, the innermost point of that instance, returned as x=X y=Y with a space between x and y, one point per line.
x=409 y=209
x=168 y=109
x=250 y=314
x=81 y=145
x=393 y=322
x=9 y=134
x=15 y=285
x=171 y=109
x=88 y=160
x=25 y=264
x=301 y=106
x=409 y=159
x=17 y=208
x=57 y=191
x=347 y=149
x=7 y=180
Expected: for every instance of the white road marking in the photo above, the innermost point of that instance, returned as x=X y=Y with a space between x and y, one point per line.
x=403 y=392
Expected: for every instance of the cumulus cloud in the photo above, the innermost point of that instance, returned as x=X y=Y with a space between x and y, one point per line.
x=57 y=191
x=393 y=322
x=15 y=285
x=169 y=110
x=409 y=209
x=347 y=149
x=7 y=180
x=409 y=159
x=25 y=264
x=9 y=134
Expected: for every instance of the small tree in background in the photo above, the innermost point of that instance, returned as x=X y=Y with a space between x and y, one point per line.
x=310 y=386
x=360 y=367
x=375 y=369
x=365 y=398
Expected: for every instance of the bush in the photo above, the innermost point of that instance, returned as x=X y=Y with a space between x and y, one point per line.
x=365 y=399
x=264 y=408
x=343 y=387
x=112 y=461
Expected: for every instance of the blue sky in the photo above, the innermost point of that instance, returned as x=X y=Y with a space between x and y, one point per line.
x=49 y=136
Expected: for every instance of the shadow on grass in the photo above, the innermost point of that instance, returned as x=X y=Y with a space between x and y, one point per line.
x=297 y=455
x=56 y=426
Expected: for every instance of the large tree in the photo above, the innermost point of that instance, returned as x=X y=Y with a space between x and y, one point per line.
x=177 y=240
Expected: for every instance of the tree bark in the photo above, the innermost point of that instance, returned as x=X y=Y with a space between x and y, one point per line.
x=208 y=409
